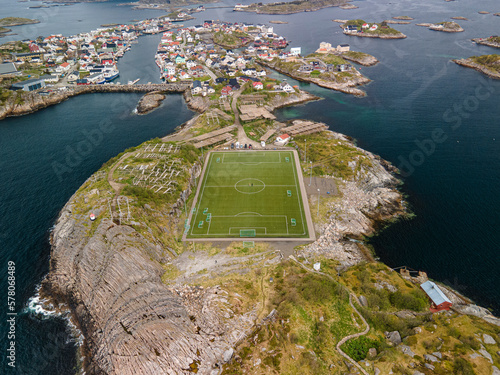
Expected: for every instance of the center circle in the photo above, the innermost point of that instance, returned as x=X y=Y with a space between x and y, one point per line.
x=249 y=186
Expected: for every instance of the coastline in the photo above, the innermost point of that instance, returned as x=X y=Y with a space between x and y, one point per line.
x=486 y=42
x=372 y=198
x=33 y=102
x=347 y=88
x=468 y=63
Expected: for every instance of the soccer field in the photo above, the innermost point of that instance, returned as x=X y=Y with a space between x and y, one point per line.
x=245 y=194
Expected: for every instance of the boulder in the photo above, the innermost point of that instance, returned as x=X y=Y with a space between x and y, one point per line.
x=429 y=366
x=372 y=353
x=488 y=339
x=430 y=358
x=228 y=354
x=363 y=301
x=407 y=350
x=485 y=354
x=394 y=337
x=438 y=355
x=496 y=371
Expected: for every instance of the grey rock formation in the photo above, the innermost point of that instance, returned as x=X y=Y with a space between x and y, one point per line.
x=407 y=350
x=488 y=339
x=394 y=337
x=430 y=358
x=132 y=323
x=363 y=301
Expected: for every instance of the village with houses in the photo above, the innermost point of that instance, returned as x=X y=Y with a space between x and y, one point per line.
x=231 y=88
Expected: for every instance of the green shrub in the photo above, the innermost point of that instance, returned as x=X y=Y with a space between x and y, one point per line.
x=462 y=367
x=358 y=348
x=416 y=300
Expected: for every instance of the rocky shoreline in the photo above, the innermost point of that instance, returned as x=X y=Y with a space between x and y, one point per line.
x=347 y=88
x=30 y=102
x=111 y=281
x=110 y=275
x=486 y=42
x=149 y=102
x=468 y=63
x=365 y=60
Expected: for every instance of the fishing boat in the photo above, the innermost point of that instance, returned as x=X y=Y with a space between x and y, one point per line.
x=110 y=74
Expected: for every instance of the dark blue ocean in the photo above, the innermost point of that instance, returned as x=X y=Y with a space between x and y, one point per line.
x=438 y=121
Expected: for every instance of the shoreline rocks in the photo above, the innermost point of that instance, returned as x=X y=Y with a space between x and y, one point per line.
x=486 y=42
x=347 y=88
x=468 y=63
x=149 y=102
x=30 y=102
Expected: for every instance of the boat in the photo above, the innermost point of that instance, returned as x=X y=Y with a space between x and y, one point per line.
x=110 y=74
x=133 y=82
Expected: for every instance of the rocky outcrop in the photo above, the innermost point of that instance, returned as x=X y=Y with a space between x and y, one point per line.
x=447 y=27
x=468 y=63
x=363 y=59
x=131 y=321
x=291 y=99
x=368 y=200
x=487 y=42
x=22 y=103
x=348 y=87
x=149 y=102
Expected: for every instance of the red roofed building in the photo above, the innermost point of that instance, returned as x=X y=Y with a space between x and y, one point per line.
x=282 y=140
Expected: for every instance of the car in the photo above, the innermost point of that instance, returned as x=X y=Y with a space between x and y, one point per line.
x=245 y=145
x=250 y=146
x=232 y=146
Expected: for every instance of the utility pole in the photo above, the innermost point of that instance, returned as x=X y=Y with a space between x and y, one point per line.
x=305 y=154
x=318 y=205
x=310 y=175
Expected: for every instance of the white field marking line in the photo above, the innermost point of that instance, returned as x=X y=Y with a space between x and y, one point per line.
x=271 y=235
x=232 y=186
x=247 y=228
x=209 y=223
x=245 y=179
x=203 y=190
x=260 y=215
x=298 y=198
x=286 y=222
x=248 y=212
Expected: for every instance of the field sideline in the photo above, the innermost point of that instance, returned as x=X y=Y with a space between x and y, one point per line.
x=250 y=195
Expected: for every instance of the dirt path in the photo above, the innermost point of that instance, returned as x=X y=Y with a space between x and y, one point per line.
x=341 y=342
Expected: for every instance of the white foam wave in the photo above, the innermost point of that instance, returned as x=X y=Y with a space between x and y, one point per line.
x=40 y=307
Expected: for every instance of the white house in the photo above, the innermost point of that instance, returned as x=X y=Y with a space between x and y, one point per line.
x=285 y=86
x=282 y=140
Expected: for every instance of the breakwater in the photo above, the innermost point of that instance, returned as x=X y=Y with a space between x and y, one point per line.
x=22 y=103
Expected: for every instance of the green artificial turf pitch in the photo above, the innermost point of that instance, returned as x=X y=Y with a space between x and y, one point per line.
x=249 y=194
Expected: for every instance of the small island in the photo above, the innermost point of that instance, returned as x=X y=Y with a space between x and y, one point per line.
x=371 y=30
x=291 y=7
x=17 y=21
x=486 y=64
x=404 y=18
x=492 y=41
x=459 y=18
x=447 y=27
